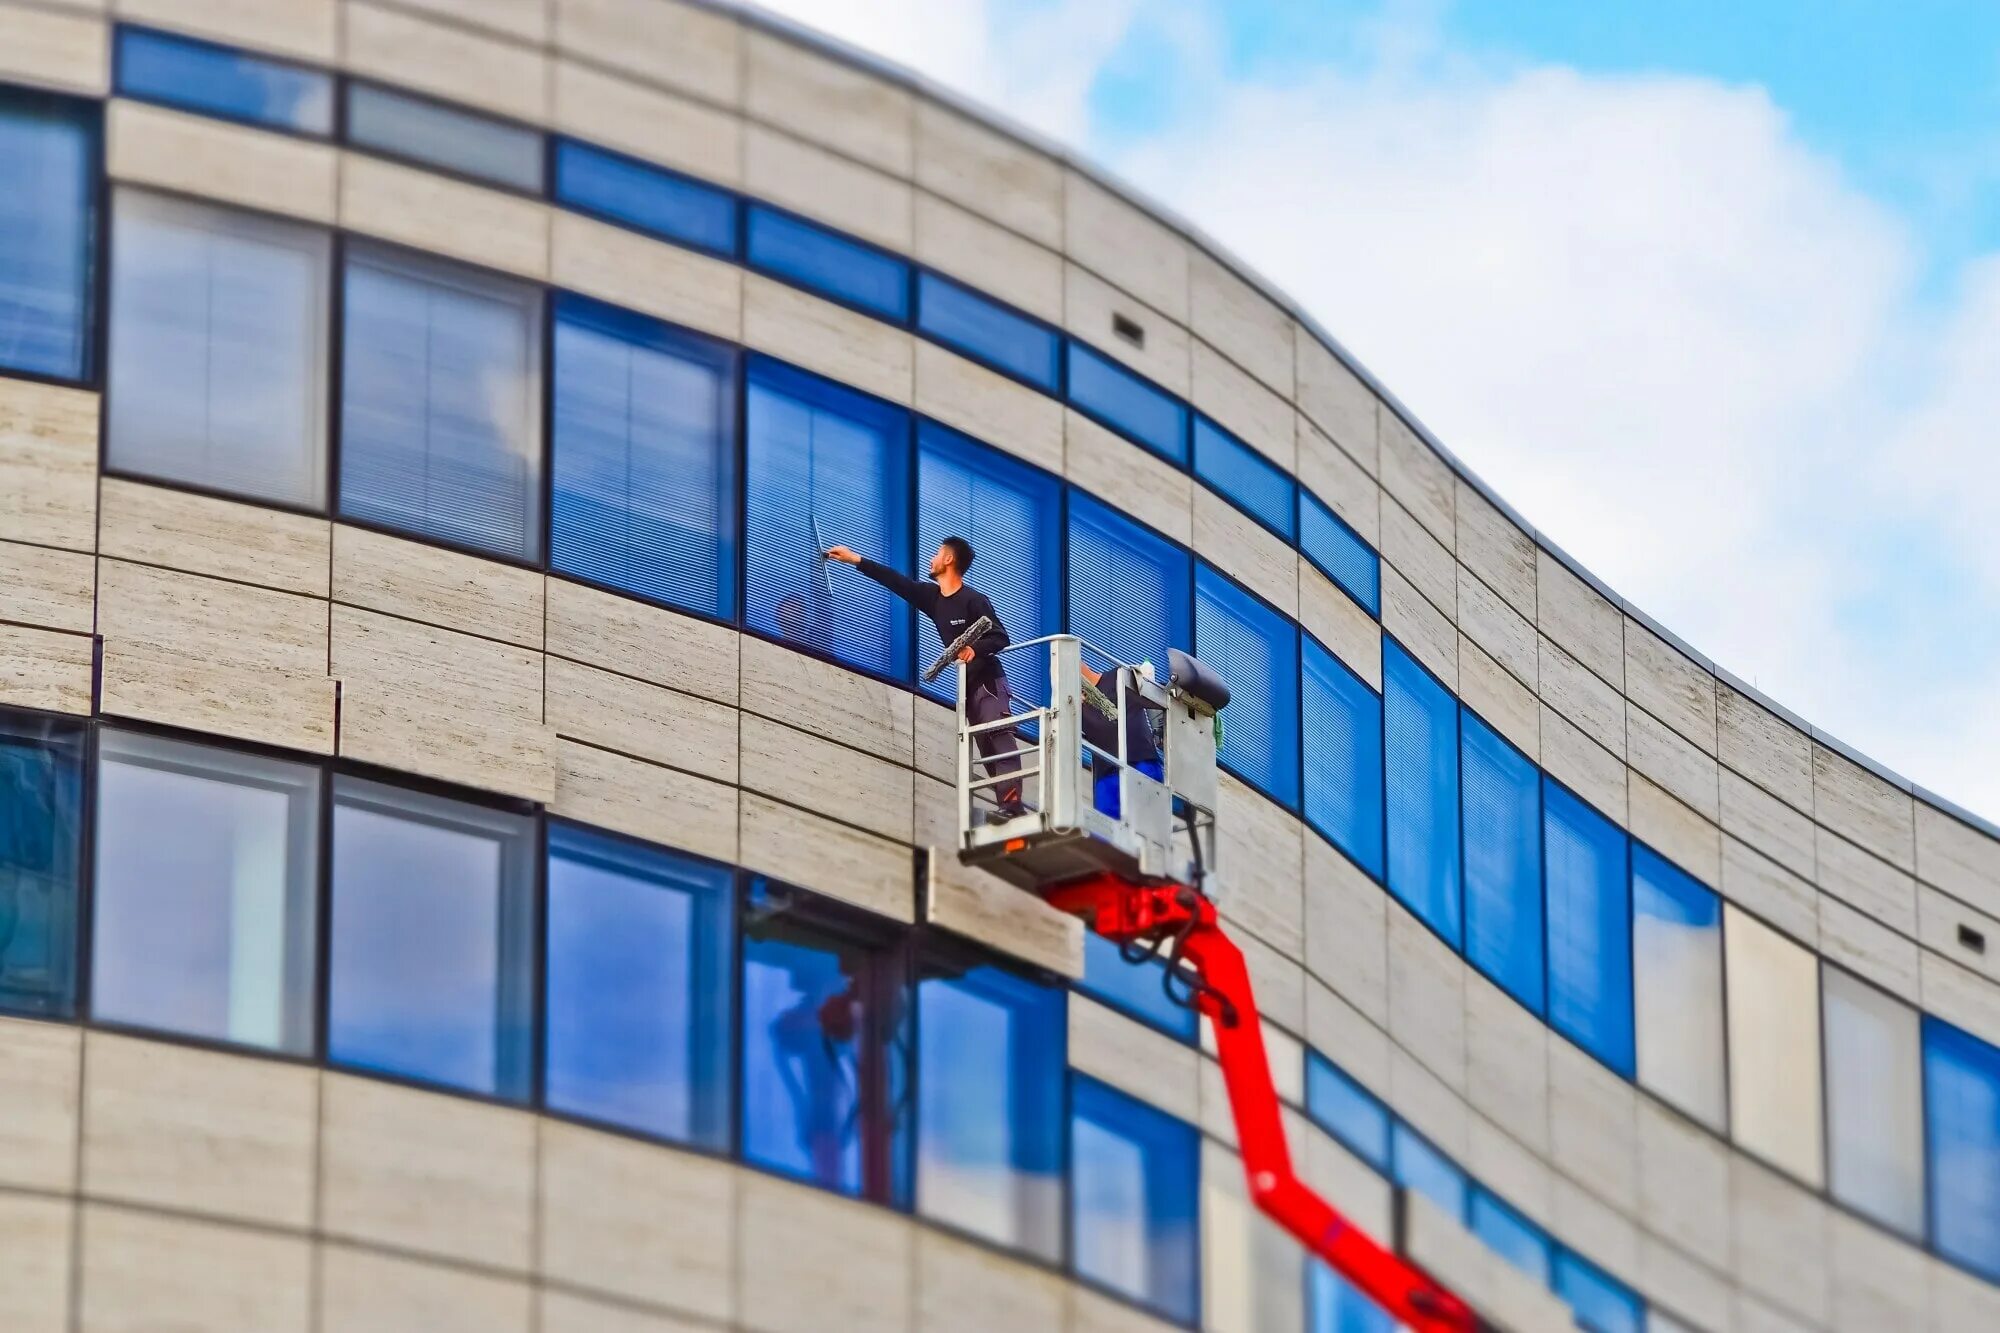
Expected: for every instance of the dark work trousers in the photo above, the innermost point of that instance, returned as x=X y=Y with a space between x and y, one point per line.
x=990 y=702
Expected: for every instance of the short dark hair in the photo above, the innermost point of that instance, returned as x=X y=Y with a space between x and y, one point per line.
x=961 y=553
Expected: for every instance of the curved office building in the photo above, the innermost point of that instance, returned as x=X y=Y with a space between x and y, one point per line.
x=466 y=864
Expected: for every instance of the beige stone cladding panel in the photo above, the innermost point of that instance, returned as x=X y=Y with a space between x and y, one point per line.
x=247 y=543
x=1684 y=1184
x=1961 y=1302
x=146 y=1271
x=964 y=1287
x=40 y=1075
x=447 y=61
x=1670 y=828
x=839 y=861
x=1670 y=759
x=1493 y=548
x=1584 y=766
x=693 y=290
x=1697 y=1296
x=1763 y=821
x=828 y=100
x=1261 y=863
x=1244 y=407
x=827 y=700
x=1593 y=1228
x=1501 y=1292
x=1864 y=809
x=303 y=29
x=198 y=1131
x=836 y=190
x=54 y=589
x=1236 y=544
x=1516 y=1173
x=1344 y=1035
x=426 y=1172
x=648 y=643
x=426 y=583
x=996 y=914
x=989 y=172
x=1339 y=482
x=1348 y=1183
x=1861 y=879
x=1781 y=1240
x=633 y=717
x=1878 y=1280
x=1125 y=245
x=1500 y=631
x=988 y=406
x=1867 y=948
x=567 y=1312
x=446 y=217
x=1346 y=918
x=823 y=1264
x=637 y=1221
x=1593 y=1125
x=684 y=46
x=46 y=669
x=523 y=20
x=1952 y=930
x=1091 y=309
x=35 y=1245
x=1958 y=858
x=48 y=465
x=1960 y=996
x=1240 y=321
x=617 y=112
x=1414 y=621
x=1341 y=625
x=443 y=704
x=215 y=656
x=1115 y=470
x=1679 y=692
x=1426 y=997
x=989 y=258
x=1506 y=1062
x=1280 y=980
x=67 y=51
x=1134 y=1059
x=832 y=340
x=273 y=173
x=817 y=774
x=1761 y=885
x=645 y=800
x=1419 y=480
x=1499 y=698
x=363 y=1291
x=1343 y=407
x=1582 y=696
x=1763 y=747
x=1579 y=619
x=1252 y=1273
x=1420 y=558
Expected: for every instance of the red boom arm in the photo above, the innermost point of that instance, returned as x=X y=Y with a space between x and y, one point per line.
x=1128 y=913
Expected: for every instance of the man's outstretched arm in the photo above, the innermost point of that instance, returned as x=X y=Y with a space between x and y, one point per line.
x=919 y=594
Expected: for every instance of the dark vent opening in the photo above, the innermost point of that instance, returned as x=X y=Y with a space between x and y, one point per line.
x=1972 y=939
x=1129 y=330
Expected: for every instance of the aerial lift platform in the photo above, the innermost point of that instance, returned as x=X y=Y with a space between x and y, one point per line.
x=1141 y=878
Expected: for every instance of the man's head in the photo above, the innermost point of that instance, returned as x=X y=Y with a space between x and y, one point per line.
x=954 y=557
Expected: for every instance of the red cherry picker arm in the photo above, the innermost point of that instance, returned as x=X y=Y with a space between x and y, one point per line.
x=1212 y=969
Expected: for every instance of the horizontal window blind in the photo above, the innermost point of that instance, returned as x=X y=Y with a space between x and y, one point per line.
x=988 y=332
x=1590 y=928
x=645 y=197
x=1253 y=482
x=48 y=158
x=1128 y=587
x=1127 y=403
x=849 y=271
x=1256 y=652
x=1502 y=799
x=1339 y=553
x=1420 y=750
x=1343 y=756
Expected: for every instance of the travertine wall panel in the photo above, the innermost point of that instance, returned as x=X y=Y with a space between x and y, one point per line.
x=1506 y=1062
x=989 y=172
x=1419 y=558
x=1243 y=407
x=828 y=101
x=825 y=1264
x=616 y=712
x=617 y=112
x=1341 y=625
x=1090 y=307
x=644 y=800
x=273 y=173
x=304 y=29
x=1337 y=401
x=1340 y=483
x=1414 y=474
x=1241 y=322
x=963 y=1287
x=1582 y=697
x=1134 y=1058
x=147 y=1271
x=817 y=774
x=839 y=343
x=827 y=700
x=1584 y=766
x=1426 y=997
x=1413 y=621
x=1765 y=887
x=40 y=1078
x=1236 y=544
x=1140 y=482
x=694 y=290
x=1117 y=241
x=988 y=258
x=1861 y=807
x=1500 y=554
x=645 y=642
x=48 y=465
x=1764 y=747
x=443 y=58
x=1867 y=948
x=1865 y=881
x=1496 y=627
x=1766 y=823
x=1670 y=687
x=1578 y=618
x=35 y=1262
x=44 y=668
x=1346 y=920
x=838 y=191
x=71 y=52
x=1593 y=1115
x=1958 y=858
x=362 y=1291
x=1670 y=828
x=834 y=859
x=426 y=583
x=678 y=45
x=1500 y=700
x=989 y=406
x=1684 y=1183
x=40 y=585
x=245 y=543
x=448 y=217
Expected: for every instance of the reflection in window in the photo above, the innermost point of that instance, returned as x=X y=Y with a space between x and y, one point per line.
x=1962 y=1102
x=1416 y=1165
x=1590 y=928
x=442 y=136
x=1340 y=554
x=1255 y=650
x=638 y=987
x=41 y=847
x=849 y=271
x=645 y=197
x=1420 y=747
x=1502 y=798
x=431 y=942
x=218 y=349
x=1677 y=986
x=1775 y=1098
x=219 y=81
x=973 y=324
x=1127 y=403
x=1342 y=722
x=643 y=474
x=1335 y=1305
x=1601 y=1304
x=825 y=1046
x=1510 y=1235
x=48 y=158
x=1874 y=1101
x=207 y=875
x=1259 y=487
x=441 y=403
x=1128 y=586
x=1133 y=988
x=1348 y=1111
x=990 y=1065
x=1133 y=1188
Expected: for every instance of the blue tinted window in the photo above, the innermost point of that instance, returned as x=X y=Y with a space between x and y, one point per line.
x=811 y=256
x=441 y=402
x=1012 y=515
x=1510 y=1235
x=1962 y=1117
x=48 y=157
x=1417 y=1166
x=1335 y=1305
x=1420 y=747
x=990 y=1073
x=1348 y=1111
x=1127 y=403
x=643 y=473
x=825 y=466
x=1134 y=988
x=1677 y=986
x=436 y=135
x=638 y=987
x=1502 y=797
x=1602 y=1304
x=1128 y=587
x=1134 y=1173
x=219 y=81
x=431 y=954
x=1590 y=929
x=645 y=198
x=41 y=846
x=1343 y=756
x=1257 y=485
x=1340 y=554
x=988 y=332
x=1255 y=651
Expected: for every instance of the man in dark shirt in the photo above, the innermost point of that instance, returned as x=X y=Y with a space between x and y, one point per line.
x=952 y=606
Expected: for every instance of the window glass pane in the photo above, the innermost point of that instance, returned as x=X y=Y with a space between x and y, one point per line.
x=1257 y=485
x=988 y=332
x=847 y=270
x=41 y=845
x=643 y=475
x=1348 y=1111
x=1340 y=554
x=1337 y=1306
x=1255 y=651
x=1962 y=1097
x=1343 y=756
x=1133 y=1181
x=1677 y=986
x=1133 y=988
x=990 y=1068
x=1128 y=587
x=48 y=157
x=1127 y=403
x=1502 y=803
x=1774 y=1045
x=223 y=82
x=1874 y=1102
x=1510 y=1235
x=441 y=403
x=825 y=467
x=207 y=872
x=442 y=136
x=218 y=349
x=1416 y=1165
x=431 y=949
x=1602 y=1305
x=638 y=987
x=1420 y=746
x=1590 y=928
x=645 y=197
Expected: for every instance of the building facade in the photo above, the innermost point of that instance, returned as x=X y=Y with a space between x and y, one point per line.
x=465 y=863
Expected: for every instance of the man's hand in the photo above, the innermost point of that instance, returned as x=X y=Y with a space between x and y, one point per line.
x=841 y=553
x=965 y=653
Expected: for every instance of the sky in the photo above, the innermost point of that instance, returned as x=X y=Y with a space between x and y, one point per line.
x=1710 y=292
